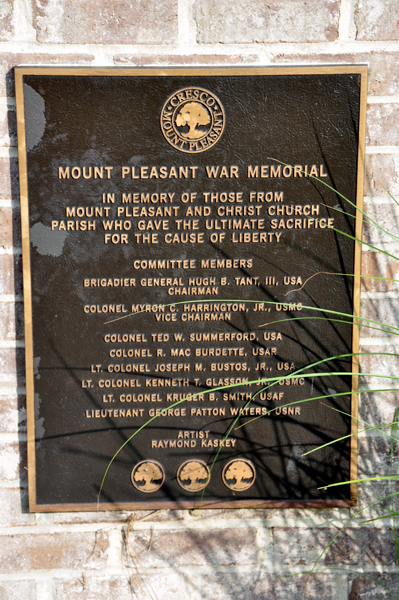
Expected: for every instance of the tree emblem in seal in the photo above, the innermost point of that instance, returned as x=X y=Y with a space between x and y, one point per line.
x=239 y=475
x=192 y=120
x=193 y=475
x=148 y=476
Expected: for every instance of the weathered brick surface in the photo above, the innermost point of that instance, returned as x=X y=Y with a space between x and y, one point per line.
x=29 y=552
x=12 y=366
x=353 y=546
x=119 y=516
x=373 y=500
x=385 y=216
x=370 y=587
x=379 y=366
x=10 y=274
x=12 y=413
x=11 y=321
x=376 y=20
x=383 y=75
x=380 y=125
x=14 y=509
x=165 y=586
x=9 y=181
x=6 y=14
x=94 y=22
x=115 y=516
x=377 y=265
x=143 y=60
x=10 y=231
x=260 y=585
x=13 y=462
x=9 y=60
x=16 y=590
x=8 y=127
x=381 y=174
x=377 y=408
x=374 y=450
x=384 y=311
x=180 y=548
x=252 y=21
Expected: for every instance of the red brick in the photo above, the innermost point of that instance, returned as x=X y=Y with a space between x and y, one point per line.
x=384 y=311
x=24 y=553
x=142 y=60
x=193 y=547
x=10 y=509
x=11 y=321
x=369 y=587
x=380 y=118
x=375 y=265
x=8 y=127
x=101 y=22
x=9 y=181
x=12 y=366
x=165 y=586
x=378 y=407
x=12 y=413
x=383 y=75
x=381 y=174
x=16 y=590
x=10 y=274
x=299 y=546
x=377 y=20
x=377 y=368
x=246 y=21
x=8 y=61
x=316 y=587
x=374 y=453
x=352 y=546
x=264 y=586
x=387 y=217
x=6 y=14
x=13 y=461
x=10 y=232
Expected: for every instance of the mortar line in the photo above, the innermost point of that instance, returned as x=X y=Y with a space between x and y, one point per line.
x=324 y=47
x=105 y=571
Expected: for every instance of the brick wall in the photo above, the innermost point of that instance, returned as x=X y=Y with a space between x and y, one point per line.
x=215 y=554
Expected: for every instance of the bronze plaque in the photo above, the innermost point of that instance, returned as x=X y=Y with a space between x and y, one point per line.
x=190 y=274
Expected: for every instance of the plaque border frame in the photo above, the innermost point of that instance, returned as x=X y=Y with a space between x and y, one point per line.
x=20 y=71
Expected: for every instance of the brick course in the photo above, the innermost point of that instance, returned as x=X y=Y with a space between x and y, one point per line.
x=383 y=77
x=15 y=590
x=28 y=552
x=255 y=21
x=235 y=546
x=93 y=22
x=377 y=20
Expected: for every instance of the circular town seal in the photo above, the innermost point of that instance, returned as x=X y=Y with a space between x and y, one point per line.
x=238 y=475
x=192 y=120
x=148 y=476
x=193 y=475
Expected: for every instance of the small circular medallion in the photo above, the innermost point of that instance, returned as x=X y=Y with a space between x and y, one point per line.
x=148 y=476
x=239 y=475
x=193 y=475
x=192 y=120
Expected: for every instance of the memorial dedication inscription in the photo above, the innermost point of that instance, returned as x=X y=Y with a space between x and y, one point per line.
x=189 y=280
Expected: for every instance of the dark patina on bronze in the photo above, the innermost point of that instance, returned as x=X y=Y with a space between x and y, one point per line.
x=180 y=255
